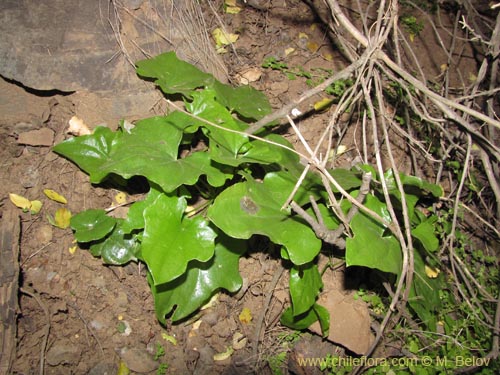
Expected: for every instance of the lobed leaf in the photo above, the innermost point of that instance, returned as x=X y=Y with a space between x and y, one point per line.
x=249 y=208
x=244 y=100
x=201 y=280
x=424 y=232
x=150 y=149
x=172 y=75
x=305 y=320
x=171 y=240
x=118 y=248
x=369 y=247
x=89 y=152
x=305 y=285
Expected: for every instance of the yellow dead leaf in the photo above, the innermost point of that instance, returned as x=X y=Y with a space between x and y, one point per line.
x=412 y=37
x=122 y=369
x=231 y=7
x=233 y=10
x=121 y=198
x=322 y=104
x=239 y=341
x=288 y=51
x=225 y=355
x=443 y=67
x=169 y=338
x=72 y=249
x=25 y=204
x=328 y=56
x=341 y=149
x=36 y=206
x=223 y=39
x=303 y=36
x=245 y=316
x=52 y=195
x=21 y=202
x=313 y=27
x=211 y=303
x=313 y=47
x=61 y=218
x=431 y=272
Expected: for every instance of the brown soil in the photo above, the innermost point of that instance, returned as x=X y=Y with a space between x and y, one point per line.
x=72 y=309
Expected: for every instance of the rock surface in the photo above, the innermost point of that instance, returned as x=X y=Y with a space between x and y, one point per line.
x=90 y=47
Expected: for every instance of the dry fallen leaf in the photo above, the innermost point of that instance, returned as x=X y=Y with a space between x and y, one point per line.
x=25 y=204
x=341 y=149
x=171 y=339
x=231 y=7
x=239 y=341
x=313 y=47
x=21 y=202
x=249 y=75
x=322 y=104
x=211 y=303
x=78 y=127
x=223 y=39
x=61 y=218
x=431 y=272
x=225 y=355
x=328 y=56
x=36 y=206
x=245 y=316
x=53 y=195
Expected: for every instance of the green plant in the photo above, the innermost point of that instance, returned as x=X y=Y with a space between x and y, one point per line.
x=412 y=25
x=313 y=77
x=211 y=187
x=277 y=362
x=286 y=341
x=160 y=351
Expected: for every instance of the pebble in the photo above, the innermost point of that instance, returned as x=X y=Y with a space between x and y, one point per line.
x=138 y=360
x=40 y=137
x=63 y=352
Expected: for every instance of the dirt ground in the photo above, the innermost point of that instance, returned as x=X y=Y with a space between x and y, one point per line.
x=76 y=316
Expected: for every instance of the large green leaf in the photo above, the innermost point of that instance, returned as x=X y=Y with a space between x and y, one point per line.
x=89 y=152
x=172 y=75
x=424 y=232
x=347 y=179
x=150 y=150
x=266 y=153
x=118 y=248
x=250 y=207
x=175 y=76
x=224 y=145
x=194 y=288
x=171 y=240
x=282 y=183
x=135 y=215
x=305 y=285
x=424 y=293
x=370 y=247
x=303 y=321
x=244 y=100
x=92 y=225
